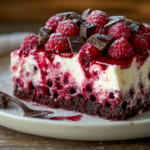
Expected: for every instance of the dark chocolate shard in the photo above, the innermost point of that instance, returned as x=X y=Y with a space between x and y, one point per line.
x=86 y=13
x=74 y=16
x=114 y=20
x=128 y=22
x=3 y=102
x=65 y=15
x=117 y=17
x=134 y=26
x=76 y=42
x=86 y=29
x=77 y=21
x=100 y=41
x=44 y=34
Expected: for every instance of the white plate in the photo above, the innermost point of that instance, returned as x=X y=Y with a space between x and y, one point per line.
x=88 y=128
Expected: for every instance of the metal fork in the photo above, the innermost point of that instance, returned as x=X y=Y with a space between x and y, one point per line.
x=4 y=98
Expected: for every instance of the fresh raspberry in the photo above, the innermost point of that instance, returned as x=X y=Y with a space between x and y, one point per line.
x=53 y=22
x=98 y=17
x=29 y=42
x=99 y=29
x=91 y=51
x=147 y=27
x=119 y=30
x=145 y=33
x=57 y=42
x=146 y=36
x=138 y=43
x=68 y=28
x=86 y=54
x=121 y=48
x=143 y=30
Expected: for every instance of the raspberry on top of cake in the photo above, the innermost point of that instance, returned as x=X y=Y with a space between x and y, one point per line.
x=90 y=63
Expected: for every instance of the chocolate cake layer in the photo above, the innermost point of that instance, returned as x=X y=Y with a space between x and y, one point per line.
x=90 y=107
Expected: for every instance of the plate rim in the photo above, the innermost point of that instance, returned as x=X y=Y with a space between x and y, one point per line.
x=72 y=123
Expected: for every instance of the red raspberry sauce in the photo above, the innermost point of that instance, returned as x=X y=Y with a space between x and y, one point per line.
x=71 y=118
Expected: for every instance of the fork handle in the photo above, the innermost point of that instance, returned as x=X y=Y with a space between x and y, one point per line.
x=22 y=105
x=27 y=110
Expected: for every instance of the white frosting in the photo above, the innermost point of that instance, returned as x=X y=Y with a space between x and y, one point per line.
x=25 y=65
x=116 y=79
x=72 y=66
x=30 y=62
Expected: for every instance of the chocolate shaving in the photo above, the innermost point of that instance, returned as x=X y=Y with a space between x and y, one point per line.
x=75 y=42
x=86 y=29
x=100 y=41
x=44 y=34
x=86 y=13
x=66 y=15
x=114 y=20
x=3 y=102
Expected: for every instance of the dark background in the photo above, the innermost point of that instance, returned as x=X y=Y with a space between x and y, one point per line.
x=30 y=15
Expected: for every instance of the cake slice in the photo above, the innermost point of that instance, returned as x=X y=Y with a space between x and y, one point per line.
x=92 y=64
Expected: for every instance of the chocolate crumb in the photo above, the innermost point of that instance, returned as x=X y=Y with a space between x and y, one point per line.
x=100 y=41
x=86 y=29
x=44 y=34
x=76 y=42
x=131 y=123
x=86 y=13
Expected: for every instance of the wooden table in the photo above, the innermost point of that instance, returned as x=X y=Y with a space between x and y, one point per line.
x=14 y=140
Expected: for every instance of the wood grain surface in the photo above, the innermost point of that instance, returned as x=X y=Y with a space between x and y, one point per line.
x=13 y=140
